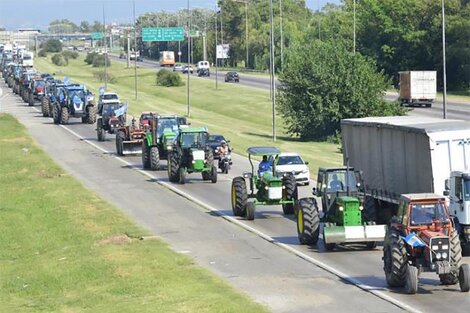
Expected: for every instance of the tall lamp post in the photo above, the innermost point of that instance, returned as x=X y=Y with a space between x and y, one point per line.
x=273 y=76
x=188 y=103
x=135 y=52
x=444 y=78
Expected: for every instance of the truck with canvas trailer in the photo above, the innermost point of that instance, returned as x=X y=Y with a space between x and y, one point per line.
x=418 y=88
x=167 y=58
x=402 y=155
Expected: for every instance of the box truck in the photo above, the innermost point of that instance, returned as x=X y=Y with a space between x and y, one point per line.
x=167 y=58
x=418 y=88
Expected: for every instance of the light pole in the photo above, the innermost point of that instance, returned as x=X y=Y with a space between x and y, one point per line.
x=135 y=52
x=354 y=26
x=105 y=53
x=444 y=78
x=273 y=76
x=188 y=103
x=216 y=71
x=282 y=41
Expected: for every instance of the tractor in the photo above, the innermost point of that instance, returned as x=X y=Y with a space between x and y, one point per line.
x=35 y=90
x=422 y=238
x=191 y=154
x=50 y=91
x=73 y=101
x=265 y=187
x=161 y=131
x=107 y=121
x=343 y=219
x=129 y=139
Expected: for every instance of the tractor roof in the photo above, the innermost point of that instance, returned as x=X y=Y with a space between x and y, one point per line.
x=335 y=169
x=263 y=151
x=194 y=130
x=420 y=196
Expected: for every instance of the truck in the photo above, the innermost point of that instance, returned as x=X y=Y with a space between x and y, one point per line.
x=403 y=155
x=417 y=88
x=167 y=58
x=28 y=59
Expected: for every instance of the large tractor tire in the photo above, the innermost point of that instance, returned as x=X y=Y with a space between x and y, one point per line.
x=206 y=175
x=90 y=117
x=250 y=210
x=100 y=133
x=452 y=278
x=64 y=116
x=173 y=165
x=332 y=245
x=31 y=99
x=154 y=158
x=119 y=143
x=289 y=193
x=209 y=156
x=239 y=196
x=464 y=278
x=411 y=284
x=145 y=155
x=45 y=107
x=395 y=259
x=214 y=174
x=308 y=221
x=56 y=114
x=182 y=175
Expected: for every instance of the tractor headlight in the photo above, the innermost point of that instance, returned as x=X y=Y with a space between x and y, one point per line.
x=434 y=248
x=444 y=255
x=193 y=161
x=445 y=247
x=169 y=148
x=266 y=187
x=438 y=255
x=361 y=207
x=283 y=187
x=341 y=208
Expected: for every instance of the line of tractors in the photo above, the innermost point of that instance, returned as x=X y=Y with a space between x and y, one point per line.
x=410 y=248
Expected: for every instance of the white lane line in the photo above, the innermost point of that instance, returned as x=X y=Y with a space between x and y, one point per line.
x=231 y=219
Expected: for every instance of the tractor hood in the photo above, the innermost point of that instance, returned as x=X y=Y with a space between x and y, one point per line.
x=426 y=235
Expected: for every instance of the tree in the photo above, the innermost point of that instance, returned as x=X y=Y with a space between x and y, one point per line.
x=62 y=26
x=85 y=27
x=324 y=82
x=53 y=45
x=97 y=27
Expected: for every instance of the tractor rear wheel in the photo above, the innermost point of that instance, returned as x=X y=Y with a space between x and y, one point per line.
x=308 y=221
x=209 y=156
x=411 y=285
x=239 y=196
x=452 y=278
x=289 y=193
x=214 y=174
x=45 y=107
x=31 y=99
x=464 y=278
x=64 y=116
x=395 y=259
x=172 y=168
x=90 y=117
x=119 y=142
x=145 y=155
x=100 y=133
x=154 y=158
x=182 y=175
x=55 y=114
x=250 y=210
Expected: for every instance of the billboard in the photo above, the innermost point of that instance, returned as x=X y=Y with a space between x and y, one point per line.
x=222 y=51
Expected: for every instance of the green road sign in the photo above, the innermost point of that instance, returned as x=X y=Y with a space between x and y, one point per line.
x=95 y=36
x=163 y=34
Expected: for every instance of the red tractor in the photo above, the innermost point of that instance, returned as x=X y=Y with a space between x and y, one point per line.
x=422 y=238
x=129 y=139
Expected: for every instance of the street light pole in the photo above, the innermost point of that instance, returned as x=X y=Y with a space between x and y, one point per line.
x=188 y=103
x=273 y=76
x=216 y=31
x=354 y=26
x=105 y=53
x=135 y=52
x=282 y=41
x=246 y=32
x=444 y=78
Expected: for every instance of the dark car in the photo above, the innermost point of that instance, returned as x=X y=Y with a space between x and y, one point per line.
x=215 y=141
x=203 y=72
x=232 y=77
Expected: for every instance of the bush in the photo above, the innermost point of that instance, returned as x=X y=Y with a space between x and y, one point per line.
x=59 y=60
x=101 y=75
x=168 y=79
x=42 y=53
x=89 y=58
x=99 y=60
x=70 y=54
x=53 y=45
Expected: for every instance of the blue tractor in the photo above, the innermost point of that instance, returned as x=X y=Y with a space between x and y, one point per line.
x=76 y=101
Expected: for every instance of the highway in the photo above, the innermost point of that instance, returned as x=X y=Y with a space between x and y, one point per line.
x=262 y=257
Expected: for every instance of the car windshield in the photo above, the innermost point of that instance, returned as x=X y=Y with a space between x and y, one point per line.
x=39 y=83
x=336 y=181
x=167 y=125
x=425 y=214
x=215 y=138
x=193 y=140
x=466 y=189
x=110 y=97
x=289 y=160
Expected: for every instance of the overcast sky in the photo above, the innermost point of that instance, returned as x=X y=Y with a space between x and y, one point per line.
x=38 y=13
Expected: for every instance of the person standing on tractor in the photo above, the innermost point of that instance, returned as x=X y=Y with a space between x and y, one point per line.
x=264 y=166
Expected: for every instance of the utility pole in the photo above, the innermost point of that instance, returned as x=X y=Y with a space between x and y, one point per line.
x=222 y=36
x=179 y=42
x=282 y=41
x=128 y=48
x=354 y=26
x=105 y=53
x=246 y=32
x=216 y=31
x=188 y=103
x=273 y=76
x=135 y=53
x=444 y=78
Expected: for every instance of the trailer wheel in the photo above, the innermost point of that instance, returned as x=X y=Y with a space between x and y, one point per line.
x=395 y=259
x=154 y=158
x=411 y=285
x=289 y=193
x=308 y=221
x=464 y=278
x=452 y=278
x=239 y=196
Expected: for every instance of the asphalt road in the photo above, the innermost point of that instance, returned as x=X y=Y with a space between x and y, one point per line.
x=261 y=257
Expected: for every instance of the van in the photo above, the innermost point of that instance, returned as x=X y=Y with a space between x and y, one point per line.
x=202 y=65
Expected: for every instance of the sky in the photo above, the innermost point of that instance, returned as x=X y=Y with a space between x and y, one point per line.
x=16 y=14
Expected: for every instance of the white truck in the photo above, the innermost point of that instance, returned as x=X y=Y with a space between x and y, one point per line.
x=403 y=154
x=418 y=88
x=28 y=59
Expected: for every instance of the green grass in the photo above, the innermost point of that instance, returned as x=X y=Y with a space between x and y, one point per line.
x=243 y=114
x=60 y=251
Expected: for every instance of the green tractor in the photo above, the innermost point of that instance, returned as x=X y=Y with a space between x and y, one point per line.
x=191 y=154
x=266 y=187
x=343 y=219
x=160 y=135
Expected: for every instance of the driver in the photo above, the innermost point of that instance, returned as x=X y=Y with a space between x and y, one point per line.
x=264 y=166
x=336 y=184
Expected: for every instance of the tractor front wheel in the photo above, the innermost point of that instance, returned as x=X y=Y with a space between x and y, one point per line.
x=308 y=221
x=214 y=174
x=154 y=158
x=452 y=278
x=172 y=168
x=100 y=133
x=90 y=117
x=64 y=116
x=31 y=99
x=55 y=114
x=119 y=142
x=182 y=176
x=464 y=278
x=250 y=210
x=145 y=155
x=45 y=107
x=289 y=193
x=239 y=196
x=411 y=284
x=395 y=259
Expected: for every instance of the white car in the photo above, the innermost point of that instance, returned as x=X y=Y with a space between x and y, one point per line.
x=108 y=97
x=293 y=163
x=178 y=67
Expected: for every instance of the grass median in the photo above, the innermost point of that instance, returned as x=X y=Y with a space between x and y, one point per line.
x=243 y=114
x=63 y=249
